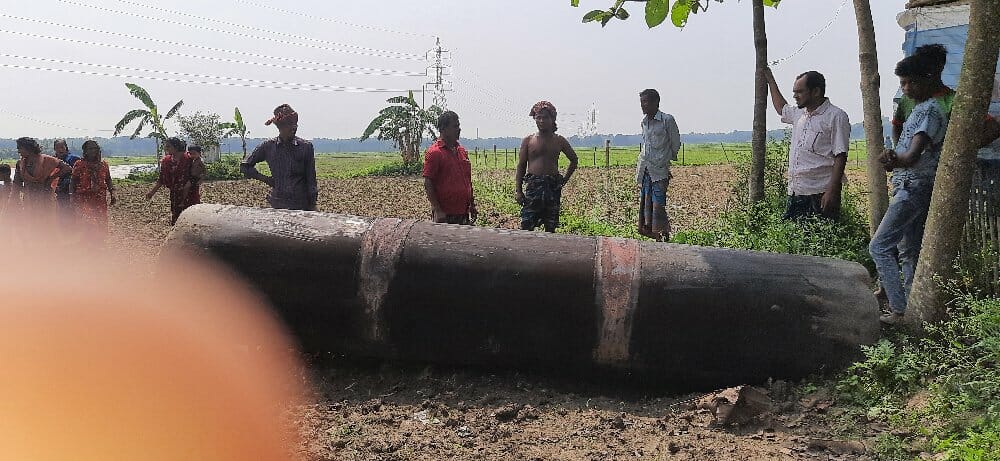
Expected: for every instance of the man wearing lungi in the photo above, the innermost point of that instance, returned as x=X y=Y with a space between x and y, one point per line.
x=539 y=184
x=661 y=140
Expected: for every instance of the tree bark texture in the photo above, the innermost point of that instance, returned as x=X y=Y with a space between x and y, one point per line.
x=759 y=139
x=950 y=200
x=878 y=194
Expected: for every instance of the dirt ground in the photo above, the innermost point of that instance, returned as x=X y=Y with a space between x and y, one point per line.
x=393 y=411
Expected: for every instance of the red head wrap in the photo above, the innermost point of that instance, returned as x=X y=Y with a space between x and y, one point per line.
x=283 y=114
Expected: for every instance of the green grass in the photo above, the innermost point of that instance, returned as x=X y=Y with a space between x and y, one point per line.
x=112 y=161
x=346 y=165
x=690 y=154
x=352 y=164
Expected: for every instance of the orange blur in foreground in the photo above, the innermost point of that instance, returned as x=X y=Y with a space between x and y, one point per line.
x=100 y=360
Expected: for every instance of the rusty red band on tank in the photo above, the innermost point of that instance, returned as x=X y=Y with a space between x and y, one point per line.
x=381 y=247
x=616 y=280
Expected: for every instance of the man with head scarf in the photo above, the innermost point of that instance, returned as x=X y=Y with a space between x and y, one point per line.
x=292 y=163
x=539 y=184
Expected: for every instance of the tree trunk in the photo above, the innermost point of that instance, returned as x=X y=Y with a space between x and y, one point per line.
x=878 y=195
x=950 y=199
x=759 y=139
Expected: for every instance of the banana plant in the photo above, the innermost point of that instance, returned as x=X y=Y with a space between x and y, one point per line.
x=148 y=116
x=404 y=123
x=236 y=128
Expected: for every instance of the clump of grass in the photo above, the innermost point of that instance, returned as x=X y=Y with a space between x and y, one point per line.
x=954 y=367
x=396 y=168
x=759 y=227
x=227 y=168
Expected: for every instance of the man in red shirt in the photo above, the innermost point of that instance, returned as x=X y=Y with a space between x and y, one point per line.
x=448 y=175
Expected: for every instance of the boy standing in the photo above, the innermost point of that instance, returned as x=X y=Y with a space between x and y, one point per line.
x=896 y=244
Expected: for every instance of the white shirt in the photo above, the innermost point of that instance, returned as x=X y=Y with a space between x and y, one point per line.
x=662 y=140
x=817 y=137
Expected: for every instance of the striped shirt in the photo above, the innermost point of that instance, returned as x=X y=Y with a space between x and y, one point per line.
x=293 y=169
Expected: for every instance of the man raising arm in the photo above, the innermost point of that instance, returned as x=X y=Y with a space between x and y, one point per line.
x=817 y=155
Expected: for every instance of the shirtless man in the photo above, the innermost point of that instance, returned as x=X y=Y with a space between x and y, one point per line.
x=539 y=157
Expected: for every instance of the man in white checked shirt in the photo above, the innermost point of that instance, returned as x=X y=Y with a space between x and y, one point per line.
x=820 y=140
x=662 y=141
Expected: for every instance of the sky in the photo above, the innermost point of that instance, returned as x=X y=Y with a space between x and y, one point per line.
x=64 y=63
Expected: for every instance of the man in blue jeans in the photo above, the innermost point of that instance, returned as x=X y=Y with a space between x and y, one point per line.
x=913 y=164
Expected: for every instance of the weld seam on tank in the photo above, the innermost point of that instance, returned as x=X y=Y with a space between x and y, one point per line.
x=381 y=249
x=616 y=279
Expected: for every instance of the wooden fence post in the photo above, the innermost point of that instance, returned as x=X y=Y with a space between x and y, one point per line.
x=595 y=155
x=607 y=153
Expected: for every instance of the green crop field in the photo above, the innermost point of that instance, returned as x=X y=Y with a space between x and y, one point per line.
x=690 y=154
x=347 y=164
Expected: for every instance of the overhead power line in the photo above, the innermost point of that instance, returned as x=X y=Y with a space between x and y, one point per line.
x=261 y=29
x=811 y=37
x=345 y=89
x=332 y=20
x=43 y=122
x=183 y=55
x=495 y=91
x=179 y=74
x=348 y=69
x=250 y=36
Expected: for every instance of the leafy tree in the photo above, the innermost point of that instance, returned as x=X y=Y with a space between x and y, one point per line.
x=236 y=128
x=201 y=129
x=953 y=181
x=404 y=123
x=679 y=12
x=148 y=116
x=657 y=11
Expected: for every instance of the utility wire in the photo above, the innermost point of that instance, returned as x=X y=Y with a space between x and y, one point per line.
x=42 y=122
x=183 y=55
x=260 y=29
x=346 y=89
x=497 y=92
x=330 y=20
x=500 y=113
x=244 y=35
x=816 y=34
x=356 y=69
x=178 y=74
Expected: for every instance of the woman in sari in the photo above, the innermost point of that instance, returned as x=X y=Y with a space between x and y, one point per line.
x=175 y=175
x=91 y=187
